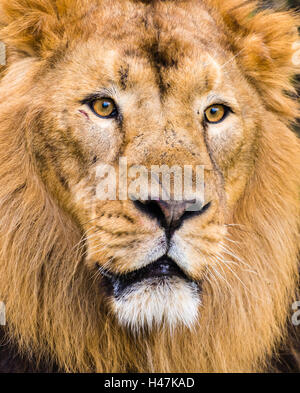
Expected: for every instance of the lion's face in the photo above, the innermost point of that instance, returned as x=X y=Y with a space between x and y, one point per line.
x=98 y=97
x=168 y=98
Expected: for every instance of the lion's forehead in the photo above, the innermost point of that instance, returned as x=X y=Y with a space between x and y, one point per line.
x=152 y=49
x=189 y=22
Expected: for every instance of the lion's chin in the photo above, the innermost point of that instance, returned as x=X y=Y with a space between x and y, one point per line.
x=158 y=294
x=160 y=301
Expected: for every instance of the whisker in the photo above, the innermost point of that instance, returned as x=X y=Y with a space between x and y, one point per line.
x=220 y=275
x=232 y=58
x=241 y=281
x=92 y=219
x=229 y=252
x=232 y=241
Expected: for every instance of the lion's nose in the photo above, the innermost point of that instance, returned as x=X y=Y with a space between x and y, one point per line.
x=170 y=214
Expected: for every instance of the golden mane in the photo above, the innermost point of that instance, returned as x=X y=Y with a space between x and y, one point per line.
x=52 y=302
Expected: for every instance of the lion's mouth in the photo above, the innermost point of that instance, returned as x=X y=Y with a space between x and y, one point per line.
x=161 y=269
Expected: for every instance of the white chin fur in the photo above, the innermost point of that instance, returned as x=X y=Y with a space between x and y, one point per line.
x=159 y=301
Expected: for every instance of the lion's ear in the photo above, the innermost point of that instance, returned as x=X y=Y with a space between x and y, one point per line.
x=265 y=45
x=35 y=27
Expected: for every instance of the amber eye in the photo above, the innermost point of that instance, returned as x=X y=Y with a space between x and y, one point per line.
x=216 y=113
x=104 y=107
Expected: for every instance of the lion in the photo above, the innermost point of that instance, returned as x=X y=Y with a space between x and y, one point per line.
x=142 y=283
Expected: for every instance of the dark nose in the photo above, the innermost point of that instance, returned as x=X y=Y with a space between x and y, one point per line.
x=170 y=214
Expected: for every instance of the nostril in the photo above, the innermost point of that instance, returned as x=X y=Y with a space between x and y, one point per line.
x=170 y=214
x=152 y=209
x=193 y=213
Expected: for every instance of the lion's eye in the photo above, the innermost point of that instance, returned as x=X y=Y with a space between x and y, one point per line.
x=104 y=107
x=216 y=113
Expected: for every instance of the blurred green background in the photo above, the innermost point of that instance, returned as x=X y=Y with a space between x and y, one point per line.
x=291 y=3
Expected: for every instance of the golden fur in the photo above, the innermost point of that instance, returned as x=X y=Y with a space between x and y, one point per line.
x=59 y=51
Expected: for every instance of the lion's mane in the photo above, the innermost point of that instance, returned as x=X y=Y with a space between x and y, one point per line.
x=53 y=309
